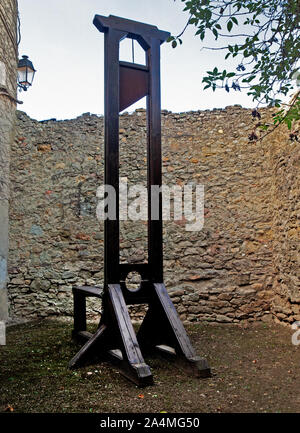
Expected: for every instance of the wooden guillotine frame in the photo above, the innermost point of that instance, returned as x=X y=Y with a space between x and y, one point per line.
x=161 y=329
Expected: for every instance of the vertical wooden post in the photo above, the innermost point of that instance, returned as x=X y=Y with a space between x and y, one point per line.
x=155 y=234
x=79 y=312
x=111 y=175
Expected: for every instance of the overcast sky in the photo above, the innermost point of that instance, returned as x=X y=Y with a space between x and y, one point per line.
x=67 y=51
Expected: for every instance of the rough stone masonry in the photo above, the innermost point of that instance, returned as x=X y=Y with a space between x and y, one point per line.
x=227 y=272
x=8 y=68
x=244 y=263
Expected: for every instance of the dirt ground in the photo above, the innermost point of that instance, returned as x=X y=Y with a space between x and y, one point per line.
x=255 y=369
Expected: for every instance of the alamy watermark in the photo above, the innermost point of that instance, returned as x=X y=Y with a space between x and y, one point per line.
x=2 y=334
x=180 y=203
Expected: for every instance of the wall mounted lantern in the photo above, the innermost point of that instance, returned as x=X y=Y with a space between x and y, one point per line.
x=26 y=73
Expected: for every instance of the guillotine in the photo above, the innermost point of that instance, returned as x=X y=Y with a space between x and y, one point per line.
x=161 y=330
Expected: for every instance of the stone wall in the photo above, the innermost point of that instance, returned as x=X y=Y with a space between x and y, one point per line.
x=285 y=159
x=8 y=68
x=223 y=273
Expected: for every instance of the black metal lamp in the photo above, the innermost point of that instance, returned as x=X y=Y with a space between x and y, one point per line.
x=26 y=73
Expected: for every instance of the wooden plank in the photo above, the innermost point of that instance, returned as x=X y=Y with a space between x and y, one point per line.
x=166 y=349
x=141 y=268
x=136 y=66
x=87 y=291
x=79 y=312
x=130 y=344
x=111 y=175
x=134 y=29
x=131 y=364
x=173 y=318
x=81 y=336
x=85 y=335
x=116 y=353
x=80 y=356
x=200 y=365
x=155 y=234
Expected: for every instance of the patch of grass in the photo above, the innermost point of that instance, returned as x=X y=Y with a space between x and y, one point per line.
x=255 y=369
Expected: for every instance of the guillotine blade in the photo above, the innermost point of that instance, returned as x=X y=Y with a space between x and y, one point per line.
x=134 y=83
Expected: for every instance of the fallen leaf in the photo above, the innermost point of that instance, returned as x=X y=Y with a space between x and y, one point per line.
x=141 y=396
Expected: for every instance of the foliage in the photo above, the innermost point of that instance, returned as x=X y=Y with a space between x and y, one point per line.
x=264 y=39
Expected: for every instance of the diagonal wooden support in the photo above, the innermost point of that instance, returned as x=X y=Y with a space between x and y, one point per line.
x=163 y=327
x=160 y=331
x=115 y=339
x=131 y=364
x=87 y=348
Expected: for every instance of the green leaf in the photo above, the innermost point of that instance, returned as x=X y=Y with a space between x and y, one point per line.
x=289 y=123
x=208 y=14
x=229 y=25
x=247 y=80
x=264 y=127
x=270 y=57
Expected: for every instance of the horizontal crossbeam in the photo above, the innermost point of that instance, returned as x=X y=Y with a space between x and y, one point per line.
x=134 y=29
